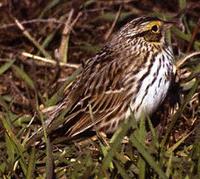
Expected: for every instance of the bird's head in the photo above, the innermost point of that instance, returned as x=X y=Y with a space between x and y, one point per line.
x=149 y=29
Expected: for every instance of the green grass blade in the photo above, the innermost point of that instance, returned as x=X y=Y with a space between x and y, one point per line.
x=31 y=165
x=142 y=137
x=51 y=4
x=115 y=143
x=6 y=66
x=182 y=4
x=14 y=143
x=149 y=159
x=24 y=76
x=153 y=133
x=186 y=37
x=169 y=166
x=121 y=170
x=49 y=162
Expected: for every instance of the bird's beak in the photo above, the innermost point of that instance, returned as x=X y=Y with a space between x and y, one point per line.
x=169 y=24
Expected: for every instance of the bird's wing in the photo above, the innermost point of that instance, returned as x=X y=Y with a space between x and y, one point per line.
x=97 y=94
x=100 y=107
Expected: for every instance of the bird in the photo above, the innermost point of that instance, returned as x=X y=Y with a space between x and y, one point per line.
x=131 y=74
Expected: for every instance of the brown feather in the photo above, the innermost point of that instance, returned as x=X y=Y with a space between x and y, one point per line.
x=107 y=80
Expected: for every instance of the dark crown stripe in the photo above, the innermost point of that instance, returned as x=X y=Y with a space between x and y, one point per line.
x=143 y=19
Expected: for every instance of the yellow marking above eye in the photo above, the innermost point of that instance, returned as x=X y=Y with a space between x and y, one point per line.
x=154 y=26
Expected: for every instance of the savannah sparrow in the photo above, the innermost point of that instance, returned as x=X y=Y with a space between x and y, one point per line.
x=131 y=74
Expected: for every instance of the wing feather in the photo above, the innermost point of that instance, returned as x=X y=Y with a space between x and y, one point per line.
x=101 y=85
x=105 y=105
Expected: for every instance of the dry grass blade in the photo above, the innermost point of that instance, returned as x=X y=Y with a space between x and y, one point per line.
x=180 y=62
x=179 y=112
x=32 y=21
x=48 y=61
x=29 y=37
x=33 y=82
x=63 y=49
x=107 y=35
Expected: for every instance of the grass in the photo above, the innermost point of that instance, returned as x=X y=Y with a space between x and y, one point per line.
x=28 y=86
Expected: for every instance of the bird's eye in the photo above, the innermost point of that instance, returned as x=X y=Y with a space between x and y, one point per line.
x=154 y=28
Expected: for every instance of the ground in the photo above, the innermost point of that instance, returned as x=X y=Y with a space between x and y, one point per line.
x=42 y=44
